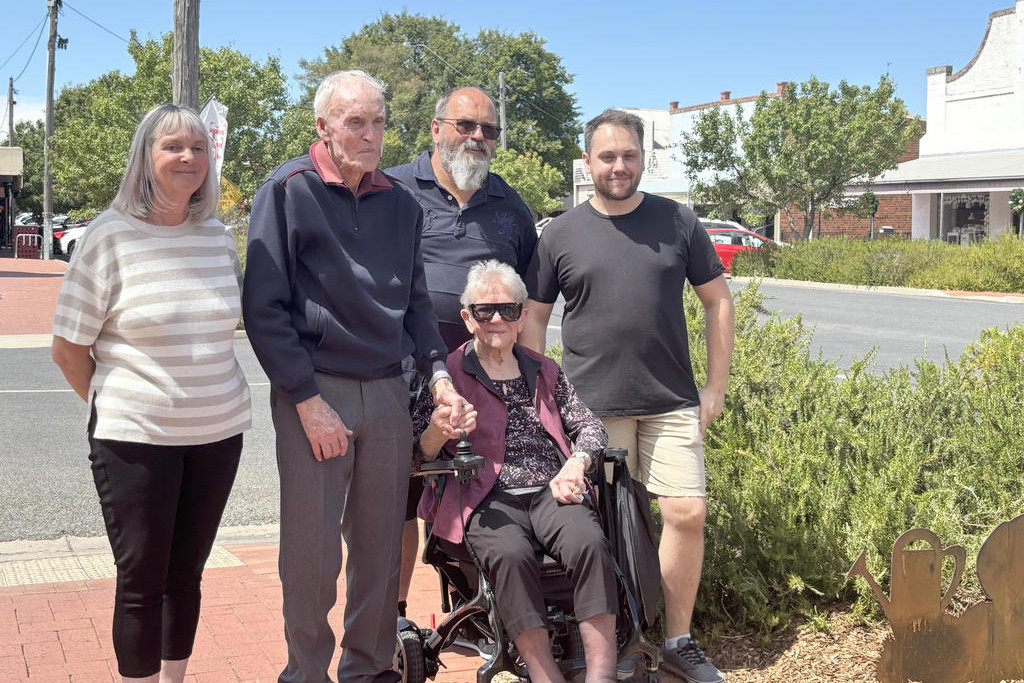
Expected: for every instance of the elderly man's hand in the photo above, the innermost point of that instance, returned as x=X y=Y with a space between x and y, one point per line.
x=444 y=394
x=568 y=485
x=327 y=434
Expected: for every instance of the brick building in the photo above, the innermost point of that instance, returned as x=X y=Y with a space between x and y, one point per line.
x=892 y=218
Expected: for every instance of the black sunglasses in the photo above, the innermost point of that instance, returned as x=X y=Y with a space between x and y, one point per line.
x=483 y=313
x=467 y=127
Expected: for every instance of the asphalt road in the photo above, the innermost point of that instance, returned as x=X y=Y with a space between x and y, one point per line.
x=46 y=485
x=47 y=491
x=846 y=324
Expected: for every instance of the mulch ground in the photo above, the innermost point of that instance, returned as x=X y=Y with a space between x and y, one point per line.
x=846 y=652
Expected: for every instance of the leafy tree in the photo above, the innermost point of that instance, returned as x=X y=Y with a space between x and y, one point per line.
x=798 y=151
x=95 y=121
x=29 y=136
x=422 y=57
x=531 y=177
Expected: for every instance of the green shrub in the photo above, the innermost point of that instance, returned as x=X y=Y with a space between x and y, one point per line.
x=880 y=262
x=988 y=266
x=810 y=465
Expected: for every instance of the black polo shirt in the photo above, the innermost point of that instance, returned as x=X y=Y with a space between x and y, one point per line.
x=494 y=224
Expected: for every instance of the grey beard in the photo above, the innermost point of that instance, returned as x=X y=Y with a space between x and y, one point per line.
x=467 y=172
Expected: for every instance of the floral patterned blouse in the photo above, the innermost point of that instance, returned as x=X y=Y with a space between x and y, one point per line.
x=531 y=457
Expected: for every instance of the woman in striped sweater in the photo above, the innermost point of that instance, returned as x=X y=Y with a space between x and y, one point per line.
x=144 y=332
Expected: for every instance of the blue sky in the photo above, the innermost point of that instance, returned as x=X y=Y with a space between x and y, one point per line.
x=621 y=54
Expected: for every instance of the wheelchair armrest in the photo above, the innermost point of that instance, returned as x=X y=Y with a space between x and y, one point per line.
x=615 y=455
x=463 y=467
x=439 y=466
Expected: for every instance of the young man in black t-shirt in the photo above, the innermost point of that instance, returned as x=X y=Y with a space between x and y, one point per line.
x=621 y=260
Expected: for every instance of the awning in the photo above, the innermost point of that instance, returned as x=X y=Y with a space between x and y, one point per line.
x=996 y=171
x=12 y=164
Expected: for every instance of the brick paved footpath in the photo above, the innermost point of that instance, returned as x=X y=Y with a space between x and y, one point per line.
x=60 y=632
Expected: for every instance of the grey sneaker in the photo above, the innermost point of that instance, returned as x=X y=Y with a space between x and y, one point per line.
x=689 y=662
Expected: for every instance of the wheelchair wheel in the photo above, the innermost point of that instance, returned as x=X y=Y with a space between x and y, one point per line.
x=409 y=658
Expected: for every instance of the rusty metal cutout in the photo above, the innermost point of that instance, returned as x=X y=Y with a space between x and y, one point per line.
x=985 y=644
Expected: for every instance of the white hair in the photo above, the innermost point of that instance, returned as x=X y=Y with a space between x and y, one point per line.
x=492 y=272
x=139 y=195
x=343 y=82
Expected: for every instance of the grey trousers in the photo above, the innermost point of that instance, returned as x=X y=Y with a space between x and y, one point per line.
x=361 y=497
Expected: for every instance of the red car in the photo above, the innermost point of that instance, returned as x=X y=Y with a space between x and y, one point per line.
x=730 y=238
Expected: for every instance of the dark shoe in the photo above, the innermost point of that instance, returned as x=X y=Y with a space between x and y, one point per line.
x=690 y=663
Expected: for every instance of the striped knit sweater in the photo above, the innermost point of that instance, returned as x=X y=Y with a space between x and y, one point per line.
x=159 y=306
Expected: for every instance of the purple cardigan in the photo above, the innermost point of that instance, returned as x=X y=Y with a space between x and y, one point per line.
x=489 y=436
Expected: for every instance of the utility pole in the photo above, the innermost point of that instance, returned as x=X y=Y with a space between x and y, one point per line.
x=186 y=53
x=53 y=7
x=5 y=227
x=501 y=106
x=10 y=112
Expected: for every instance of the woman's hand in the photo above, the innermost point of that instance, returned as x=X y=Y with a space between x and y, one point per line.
x=441 y=420
x=568 y=485
x=441 y=429
x=77 y=364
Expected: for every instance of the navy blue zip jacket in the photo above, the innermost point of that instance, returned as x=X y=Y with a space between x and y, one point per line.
x=334 y=279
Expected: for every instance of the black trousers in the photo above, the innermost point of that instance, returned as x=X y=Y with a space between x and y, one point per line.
x=161 y=506
x=500 y=532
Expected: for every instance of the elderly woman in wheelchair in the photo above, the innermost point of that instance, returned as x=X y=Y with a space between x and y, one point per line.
x=539 y=441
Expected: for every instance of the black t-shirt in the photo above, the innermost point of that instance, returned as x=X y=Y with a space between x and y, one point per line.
x=624 y=331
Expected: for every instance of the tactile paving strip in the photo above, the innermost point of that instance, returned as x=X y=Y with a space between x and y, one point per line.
x=83 y=567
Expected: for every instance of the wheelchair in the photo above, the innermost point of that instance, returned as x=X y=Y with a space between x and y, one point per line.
x=468 y=599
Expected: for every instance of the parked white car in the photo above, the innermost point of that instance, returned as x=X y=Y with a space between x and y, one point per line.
x=24 y=219
x=68 y=238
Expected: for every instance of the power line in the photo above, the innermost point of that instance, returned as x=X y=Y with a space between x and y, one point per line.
x=94 y=22
x=34 y=47
x=24 y=41
x=491 y=87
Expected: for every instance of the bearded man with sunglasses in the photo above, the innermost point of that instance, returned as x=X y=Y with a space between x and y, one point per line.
x=469 y=215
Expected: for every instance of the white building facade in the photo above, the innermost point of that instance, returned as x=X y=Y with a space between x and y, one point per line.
x=972 y=154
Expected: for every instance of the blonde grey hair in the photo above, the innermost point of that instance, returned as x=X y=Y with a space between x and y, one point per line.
x=486 y=273
x=343 y=82
x=139 y=195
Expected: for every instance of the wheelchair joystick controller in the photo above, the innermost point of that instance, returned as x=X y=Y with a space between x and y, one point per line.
x=466 y=463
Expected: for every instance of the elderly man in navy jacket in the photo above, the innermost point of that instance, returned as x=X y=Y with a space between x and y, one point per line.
x=334 y=299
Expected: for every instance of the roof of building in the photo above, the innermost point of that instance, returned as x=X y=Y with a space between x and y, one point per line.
x=975 y=171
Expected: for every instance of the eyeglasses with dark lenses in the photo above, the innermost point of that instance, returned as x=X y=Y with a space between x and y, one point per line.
x=483 y=313
x=467 y=127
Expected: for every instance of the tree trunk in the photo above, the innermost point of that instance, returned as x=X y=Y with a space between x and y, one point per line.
x=809 y=219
